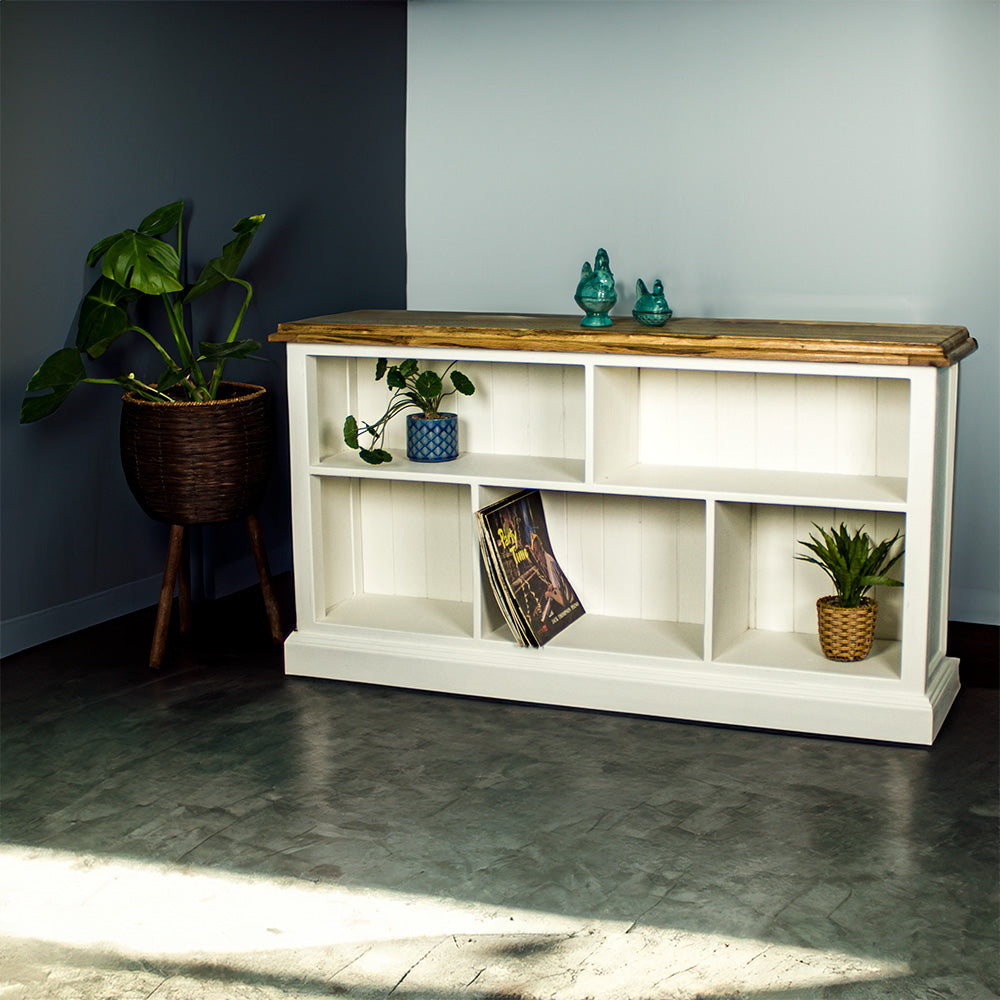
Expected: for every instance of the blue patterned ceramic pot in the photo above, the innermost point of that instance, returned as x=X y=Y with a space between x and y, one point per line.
x=432 y=439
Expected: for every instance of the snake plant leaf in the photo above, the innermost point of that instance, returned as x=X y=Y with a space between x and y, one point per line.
x=879 y=581
x=144 y=263
x=351 y=432
x=855 y=563
x=462 y=384
x=102 y=317
x=223 y=268
x=162 y=220
x=211 y=351
x=59 y=372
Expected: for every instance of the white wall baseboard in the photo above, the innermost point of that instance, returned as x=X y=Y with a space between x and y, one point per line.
x=51 y=623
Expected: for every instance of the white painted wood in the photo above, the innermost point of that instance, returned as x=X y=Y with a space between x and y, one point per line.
x=306 y=526
x=944 y=478
x=676 y=491
x=336 y=502
x=402 y=614
x=892 y=427
x=675 y=688
x=615 y=423
x=923 y=465
x=760 y=485
x=735 y=431
x=772 y=568
x=733 y=562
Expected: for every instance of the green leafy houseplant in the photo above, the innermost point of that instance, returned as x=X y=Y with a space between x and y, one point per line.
x=855 y=563
x=412 y=389
x=136 y=264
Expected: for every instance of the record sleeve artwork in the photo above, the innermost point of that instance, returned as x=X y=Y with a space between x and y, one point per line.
x=536 y=599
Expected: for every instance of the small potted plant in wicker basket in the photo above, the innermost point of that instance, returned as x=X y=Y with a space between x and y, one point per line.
x=855 y=564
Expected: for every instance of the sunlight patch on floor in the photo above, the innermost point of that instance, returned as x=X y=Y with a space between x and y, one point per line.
x=117 y=915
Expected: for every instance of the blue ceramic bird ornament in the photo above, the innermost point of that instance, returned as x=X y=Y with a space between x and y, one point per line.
x=595 y=294
x=651 y=307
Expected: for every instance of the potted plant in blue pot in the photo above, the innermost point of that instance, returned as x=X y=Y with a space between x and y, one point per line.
x=431 y=433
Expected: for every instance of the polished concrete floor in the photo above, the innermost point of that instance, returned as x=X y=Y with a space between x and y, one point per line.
x=221 y=831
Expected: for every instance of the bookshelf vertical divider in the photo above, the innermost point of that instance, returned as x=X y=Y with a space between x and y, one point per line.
x=678 y=469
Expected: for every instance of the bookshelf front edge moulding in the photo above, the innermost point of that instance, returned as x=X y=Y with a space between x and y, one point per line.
x=678 y=468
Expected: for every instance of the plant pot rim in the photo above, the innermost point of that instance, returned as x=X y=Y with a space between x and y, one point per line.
x=251 y=391
x=830 y=601
x=423 y=416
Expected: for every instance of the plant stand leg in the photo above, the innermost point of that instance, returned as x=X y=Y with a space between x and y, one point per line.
x=184 y=587
x=175 y=552
x=266 y=587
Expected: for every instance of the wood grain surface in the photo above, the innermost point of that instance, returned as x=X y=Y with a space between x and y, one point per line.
x=780 y=340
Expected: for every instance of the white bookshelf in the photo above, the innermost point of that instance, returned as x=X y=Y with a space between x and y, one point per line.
x=675 y=489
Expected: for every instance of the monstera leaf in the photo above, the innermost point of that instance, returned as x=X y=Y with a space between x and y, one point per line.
x=59 y=372
x=224 y=267
x=144 y=263
x=103 y=318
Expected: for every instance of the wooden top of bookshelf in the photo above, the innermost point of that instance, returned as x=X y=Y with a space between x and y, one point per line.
x=776 y=340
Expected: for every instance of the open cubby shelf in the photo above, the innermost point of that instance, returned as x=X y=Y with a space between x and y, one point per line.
x=675 y=489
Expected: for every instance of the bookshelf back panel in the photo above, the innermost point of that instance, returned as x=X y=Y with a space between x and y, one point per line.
x=629 y=557
x=794 y=423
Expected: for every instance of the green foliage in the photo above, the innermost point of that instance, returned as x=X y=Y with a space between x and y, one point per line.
x=854 y=563
x=136 y=263
x=412 y=389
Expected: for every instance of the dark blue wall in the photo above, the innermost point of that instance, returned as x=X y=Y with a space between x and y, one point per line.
x=111 y=110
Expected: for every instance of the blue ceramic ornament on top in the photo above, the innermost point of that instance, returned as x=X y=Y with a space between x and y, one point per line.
x=595 y=294
x=651 y=307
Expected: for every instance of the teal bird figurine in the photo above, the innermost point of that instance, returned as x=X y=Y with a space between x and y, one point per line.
x=595 y=294
x=651 y=307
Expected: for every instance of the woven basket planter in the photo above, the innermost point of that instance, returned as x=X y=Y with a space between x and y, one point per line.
x=846 y=634
x=199 y=463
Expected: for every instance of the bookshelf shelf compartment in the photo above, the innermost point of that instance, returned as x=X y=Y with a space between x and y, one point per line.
x=520 y=415
x=637 y=565
x=393 y=555
x=765 y=604
x=678 y=470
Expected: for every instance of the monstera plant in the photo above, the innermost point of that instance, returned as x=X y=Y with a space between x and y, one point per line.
x=195 y=449
x=138 y=264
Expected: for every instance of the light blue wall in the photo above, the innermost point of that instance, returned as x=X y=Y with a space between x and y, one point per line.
x=111 y=110
x=818 y=160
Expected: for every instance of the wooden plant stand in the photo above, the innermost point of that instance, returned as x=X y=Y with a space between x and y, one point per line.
x=177 y=574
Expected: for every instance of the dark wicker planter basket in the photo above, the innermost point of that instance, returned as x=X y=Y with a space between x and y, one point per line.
x=199 y=463
x=846 y=634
